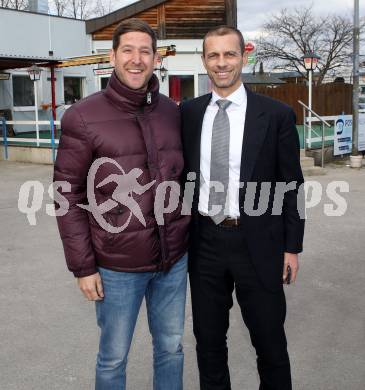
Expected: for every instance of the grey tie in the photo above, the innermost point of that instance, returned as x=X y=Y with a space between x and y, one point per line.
x=219 y=161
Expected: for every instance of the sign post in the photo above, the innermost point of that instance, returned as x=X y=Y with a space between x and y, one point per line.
x=342 y=141
x=5 y=137
x=361 y=134
x=250 y=49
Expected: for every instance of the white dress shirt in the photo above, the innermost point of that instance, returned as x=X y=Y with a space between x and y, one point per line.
x=237 y=114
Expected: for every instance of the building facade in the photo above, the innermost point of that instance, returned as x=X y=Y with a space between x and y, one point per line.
x=175 y=22
x=35 y=37
x=30 y=38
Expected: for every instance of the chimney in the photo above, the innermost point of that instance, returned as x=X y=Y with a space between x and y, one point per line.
x=39 y=6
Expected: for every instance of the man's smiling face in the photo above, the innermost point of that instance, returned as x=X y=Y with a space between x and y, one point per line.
x=224 y=61
x=134 y=59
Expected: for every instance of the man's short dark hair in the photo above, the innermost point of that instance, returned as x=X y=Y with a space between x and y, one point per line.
x=132 y=25
x=225 y=30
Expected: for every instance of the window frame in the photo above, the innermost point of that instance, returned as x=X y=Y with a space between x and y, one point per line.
x=82 y=87
x=23 y=108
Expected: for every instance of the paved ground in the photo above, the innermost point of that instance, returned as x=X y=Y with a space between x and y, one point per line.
x=48 y=336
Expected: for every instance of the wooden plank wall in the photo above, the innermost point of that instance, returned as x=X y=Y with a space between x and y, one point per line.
x=179 y=19
x=149 y=16
x=193 y=18
x=328 y=99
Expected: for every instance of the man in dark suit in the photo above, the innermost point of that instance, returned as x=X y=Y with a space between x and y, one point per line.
x=247 y=229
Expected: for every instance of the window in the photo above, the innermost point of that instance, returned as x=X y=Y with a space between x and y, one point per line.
x=73 y=89
x=104 y=82
x=23 y=91
x=181 y=88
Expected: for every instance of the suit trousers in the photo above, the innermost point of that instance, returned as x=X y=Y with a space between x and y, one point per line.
x=220 y=263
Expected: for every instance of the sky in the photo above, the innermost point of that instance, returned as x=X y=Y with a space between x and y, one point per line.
x=253 y=13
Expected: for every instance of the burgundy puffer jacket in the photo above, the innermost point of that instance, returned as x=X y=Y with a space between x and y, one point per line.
x=137 y=130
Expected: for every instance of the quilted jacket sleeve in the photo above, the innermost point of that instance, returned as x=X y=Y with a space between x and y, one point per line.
x=74 y=159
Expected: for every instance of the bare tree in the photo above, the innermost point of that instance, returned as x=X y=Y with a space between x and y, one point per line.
x=102 y=7
x=83 y=9
x=80 y=9
x=74 y=8
x=5 y=3
x=289 y=35
x=18 y=4
x=60 y=6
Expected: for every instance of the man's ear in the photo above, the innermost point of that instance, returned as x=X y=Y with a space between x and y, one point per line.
x=112 y=57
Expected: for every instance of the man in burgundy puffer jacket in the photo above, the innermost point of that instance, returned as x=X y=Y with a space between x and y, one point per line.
x=119 y=250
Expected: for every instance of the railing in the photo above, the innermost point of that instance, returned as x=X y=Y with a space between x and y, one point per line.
x=52 y=140
x=322 y=120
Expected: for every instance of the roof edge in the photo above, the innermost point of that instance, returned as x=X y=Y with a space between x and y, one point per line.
x=42 y=14
x=96 y=24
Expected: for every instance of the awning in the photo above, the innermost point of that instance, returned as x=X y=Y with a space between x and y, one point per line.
x=163 y=51
x=8 y=61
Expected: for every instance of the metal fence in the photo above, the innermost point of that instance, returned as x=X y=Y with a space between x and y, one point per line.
x=52 y=141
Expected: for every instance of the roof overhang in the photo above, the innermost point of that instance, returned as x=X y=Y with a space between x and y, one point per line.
x=93 y=25
x=163 y=51
x=17 y=62
x=84 y=60
x=266 y=79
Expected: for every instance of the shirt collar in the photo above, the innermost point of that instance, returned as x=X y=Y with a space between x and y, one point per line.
x=238 y=97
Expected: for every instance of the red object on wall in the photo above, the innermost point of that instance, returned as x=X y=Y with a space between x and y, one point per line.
x=175 y=88
x=249 y=47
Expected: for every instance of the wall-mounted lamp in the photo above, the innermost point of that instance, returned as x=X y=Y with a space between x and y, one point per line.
x=163 y=73
x=34 y=72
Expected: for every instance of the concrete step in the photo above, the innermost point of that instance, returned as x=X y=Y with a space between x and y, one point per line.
x=313 y=171
x=306 y=162
x=302 y=153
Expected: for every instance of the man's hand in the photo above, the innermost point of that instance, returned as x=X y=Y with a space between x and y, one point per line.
x=92 y=287
x=291 y=260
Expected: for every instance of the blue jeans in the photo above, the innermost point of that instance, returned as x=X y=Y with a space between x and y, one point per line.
x=117 y=314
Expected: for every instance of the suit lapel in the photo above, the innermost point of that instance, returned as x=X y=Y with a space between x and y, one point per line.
x=197 y=131
x=256 y=125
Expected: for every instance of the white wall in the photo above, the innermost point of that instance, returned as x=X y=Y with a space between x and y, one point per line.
x=29 y=34
x=25 y=34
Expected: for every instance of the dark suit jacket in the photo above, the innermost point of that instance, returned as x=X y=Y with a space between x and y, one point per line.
x=270 y=153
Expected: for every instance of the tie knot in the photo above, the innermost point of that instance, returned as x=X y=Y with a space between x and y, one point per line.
x=223 y=103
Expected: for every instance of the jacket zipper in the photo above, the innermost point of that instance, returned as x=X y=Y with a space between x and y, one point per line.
x=149 y=98
x=149 y=145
